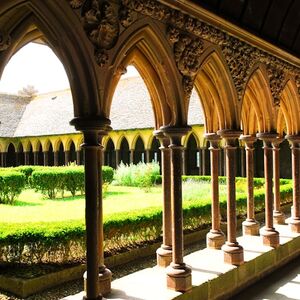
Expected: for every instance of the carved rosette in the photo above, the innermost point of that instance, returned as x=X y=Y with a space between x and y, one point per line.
x=5 y=41
x=187 y=55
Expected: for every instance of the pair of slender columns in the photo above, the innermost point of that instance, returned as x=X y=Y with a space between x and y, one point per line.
x=170 y=254
x=97 y=279
x=295 y=147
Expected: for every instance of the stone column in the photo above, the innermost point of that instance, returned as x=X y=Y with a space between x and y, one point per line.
x=269 y=234
x=243 y=169
x=164 y=253
x=104 y=273
x=35 y=158
x=147 y=153
x=221 y=162
x=215 y=238
x=46 y=158
x=179 y=275
x=250 y=226
x=203 y=158
x=233 y=252
x=67 y=157
x=18 y=158
x=55 y=156
x=295 y=147
x=78 y=160
x=200 y=161
x=184 y=162
x=118 y=157
x=3 y=159
x=26 y=158
x=131 y=157
x=278 y=215
x=97 y=277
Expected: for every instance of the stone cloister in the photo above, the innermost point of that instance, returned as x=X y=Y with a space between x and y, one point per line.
x=249 y=89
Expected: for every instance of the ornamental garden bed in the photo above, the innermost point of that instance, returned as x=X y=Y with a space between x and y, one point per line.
x=36 y=230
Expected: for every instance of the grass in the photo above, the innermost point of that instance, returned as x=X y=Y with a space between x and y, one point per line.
x=34 y=207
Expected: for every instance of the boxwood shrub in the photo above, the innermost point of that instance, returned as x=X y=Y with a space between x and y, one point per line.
x=11 y=185
x=61 y=242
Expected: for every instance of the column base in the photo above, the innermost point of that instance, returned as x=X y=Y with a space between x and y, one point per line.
x=179 y=277
x=278 y=217
x=164 y=256
x=294 y=225
x=270 y=237
x=104 y=282
x=250 y=227
x=233 y=253
x=215 y=239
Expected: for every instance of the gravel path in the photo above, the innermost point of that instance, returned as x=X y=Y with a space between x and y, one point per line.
x=76 y=286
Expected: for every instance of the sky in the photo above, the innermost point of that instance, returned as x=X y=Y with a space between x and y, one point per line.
x=37 y=65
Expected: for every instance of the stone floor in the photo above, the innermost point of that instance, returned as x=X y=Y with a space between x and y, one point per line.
x=212 y=278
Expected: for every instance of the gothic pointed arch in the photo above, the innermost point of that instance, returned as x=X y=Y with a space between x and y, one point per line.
x=110 y=154
x=258 y=98
x=289 y=111
x=217 y=93
x=144 y=47
x=139 y=151
x=124 y=151
x=25 y=23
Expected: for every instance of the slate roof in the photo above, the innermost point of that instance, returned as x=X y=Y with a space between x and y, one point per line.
x=49 y=114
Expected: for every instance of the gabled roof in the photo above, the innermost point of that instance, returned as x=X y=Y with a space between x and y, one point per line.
x=50 y=114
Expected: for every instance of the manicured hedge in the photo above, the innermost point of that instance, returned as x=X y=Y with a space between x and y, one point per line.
x=64 y=242
x=52 y=180
x=11 y=185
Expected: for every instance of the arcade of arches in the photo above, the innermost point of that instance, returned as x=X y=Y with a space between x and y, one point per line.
x=249 y=91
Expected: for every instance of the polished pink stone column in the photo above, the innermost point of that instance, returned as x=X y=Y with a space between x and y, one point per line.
x=250 y=225
x=269 y=234
x=278 y=215
x=233 y=252
x=164 y=252
x=179 y=275
x=294 y=221
x=215 y=238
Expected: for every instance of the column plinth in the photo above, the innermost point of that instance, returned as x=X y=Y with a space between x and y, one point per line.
x=233 y=252
x=269 y=235
x=179 y=275
x=250 y=225
x=215 y=238
x=294 y=221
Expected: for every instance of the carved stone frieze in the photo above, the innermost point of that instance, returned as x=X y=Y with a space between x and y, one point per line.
x=276 y=78
x=76 y=3
x=187 y=54
x=150 y=8
x=100 y=21
x=239 y=55
x=5 y=41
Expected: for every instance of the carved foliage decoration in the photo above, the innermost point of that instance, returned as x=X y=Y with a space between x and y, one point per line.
x=187 y=54
x=239 y=55
x=101 y=21
x=5 y=41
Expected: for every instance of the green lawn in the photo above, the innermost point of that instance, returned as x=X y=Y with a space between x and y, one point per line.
x=34 y=207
